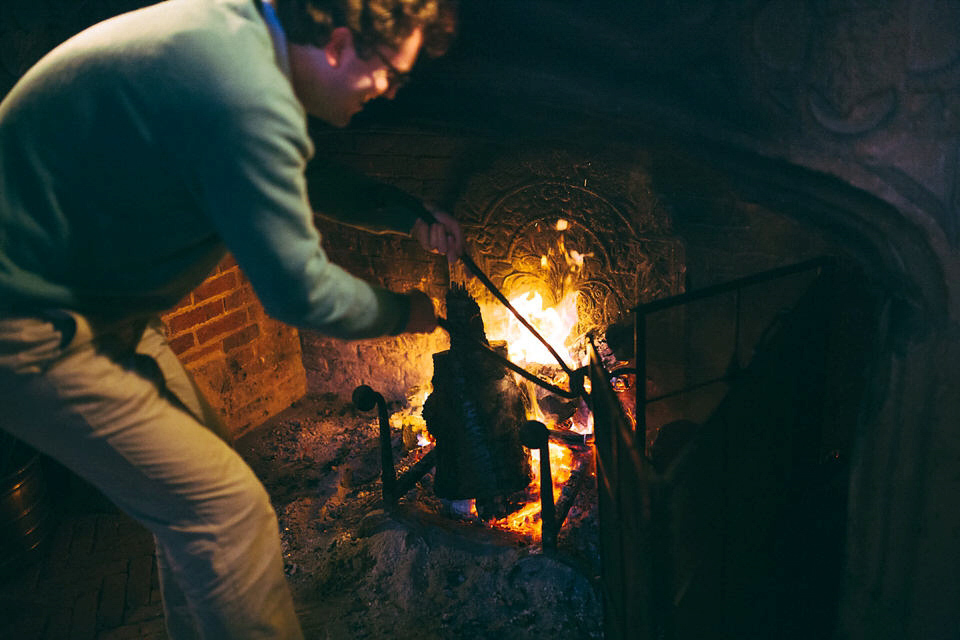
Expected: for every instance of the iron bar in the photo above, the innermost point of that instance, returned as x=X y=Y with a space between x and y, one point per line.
x=411 y=476
x=570 y=438
x=576 y=377
x=640 y=385
x=739 y=283
x=693 y=387
x=365 y=398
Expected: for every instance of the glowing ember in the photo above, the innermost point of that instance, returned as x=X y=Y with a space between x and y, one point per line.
x=554 y=324
x=409 y=420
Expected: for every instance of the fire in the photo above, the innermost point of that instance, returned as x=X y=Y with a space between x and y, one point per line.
x=560 y=268
x=409 y=420
x=553 y=323
x=556 y=323
x=526 y=519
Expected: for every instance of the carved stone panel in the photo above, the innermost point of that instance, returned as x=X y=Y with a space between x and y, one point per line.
x=619 y=231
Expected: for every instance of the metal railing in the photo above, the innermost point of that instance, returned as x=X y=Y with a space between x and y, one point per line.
x=735 y=366
x=667 y=542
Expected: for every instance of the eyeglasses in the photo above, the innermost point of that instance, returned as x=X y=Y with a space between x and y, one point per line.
x=395 y=77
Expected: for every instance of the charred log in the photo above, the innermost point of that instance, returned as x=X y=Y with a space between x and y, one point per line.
x=474 y=413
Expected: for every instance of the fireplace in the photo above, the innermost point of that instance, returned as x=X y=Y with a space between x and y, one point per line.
x=684 y=219
x=636 y=256
x=772 y=132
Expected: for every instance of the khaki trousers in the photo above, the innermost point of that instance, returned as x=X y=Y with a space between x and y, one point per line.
x=113 y=404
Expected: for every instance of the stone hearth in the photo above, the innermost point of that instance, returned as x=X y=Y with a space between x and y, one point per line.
x=358 y=571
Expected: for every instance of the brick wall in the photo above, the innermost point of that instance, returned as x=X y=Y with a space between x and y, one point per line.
x=422 y=164
x=248 y=365
x=391 y=365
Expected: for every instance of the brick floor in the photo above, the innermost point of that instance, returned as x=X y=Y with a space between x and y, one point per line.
x=94 y=579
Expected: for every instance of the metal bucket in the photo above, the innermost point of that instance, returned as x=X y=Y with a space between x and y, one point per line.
x=26 y=513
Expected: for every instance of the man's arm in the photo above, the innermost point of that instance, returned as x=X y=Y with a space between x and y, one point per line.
x=354 y=199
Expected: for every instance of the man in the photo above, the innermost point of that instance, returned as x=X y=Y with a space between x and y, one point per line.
x=131 y=158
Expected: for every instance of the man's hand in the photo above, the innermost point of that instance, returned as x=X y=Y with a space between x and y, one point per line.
x=444 y=236
x=423 y=318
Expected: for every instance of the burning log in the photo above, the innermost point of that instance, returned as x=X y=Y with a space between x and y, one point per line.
x=572 y=487
x=474 y=413
x=535 y=436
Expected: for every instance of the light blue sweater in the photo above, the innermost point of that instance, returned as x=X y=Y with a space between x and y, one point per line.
x=134 y=154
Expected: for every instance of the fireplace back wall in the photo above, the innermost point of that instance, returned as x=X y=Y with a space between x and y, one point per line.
x=645 y=240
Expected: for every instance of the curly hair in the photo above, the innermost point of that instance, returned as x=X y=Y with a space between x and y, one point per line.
x=373 y=22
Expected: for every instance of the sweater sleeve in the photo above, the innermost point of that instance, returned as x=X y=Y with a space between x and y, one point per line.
x=354 y=199
x=249 y=172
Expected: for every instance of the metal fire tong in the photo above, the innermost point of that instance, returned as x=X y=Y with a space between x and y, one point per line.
x=576 y=377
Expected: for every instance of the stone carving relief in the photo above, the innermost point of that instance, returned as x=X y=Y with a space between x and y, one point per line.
x=627 y=257
x=933 y=44
x=875 y=86
x=864 y=90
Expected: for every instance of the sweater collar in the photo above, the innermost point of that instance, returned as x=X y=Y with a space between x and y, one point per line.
x=276 y=34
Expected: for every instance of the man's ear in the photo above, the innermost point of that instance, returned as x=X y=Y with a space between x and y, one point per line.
x=339 y=44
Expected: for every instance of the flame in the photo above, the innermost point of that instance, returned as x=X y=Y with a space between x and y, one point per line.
x=553 y=323
x=409 y=420
x=556 y=324
x=526 y=520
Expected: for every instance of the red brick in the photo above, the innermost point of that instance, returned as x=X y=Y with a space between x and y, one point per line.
x=183 y=304
x=240 y=298
x=228 y=323
x=187 y=320
x=245 y=336
x=215 y=286
x=182 y=342
x=196 y=354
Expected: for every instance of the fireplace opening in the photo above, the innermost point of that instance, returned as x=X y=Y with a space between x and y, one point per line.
x=622 y=230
